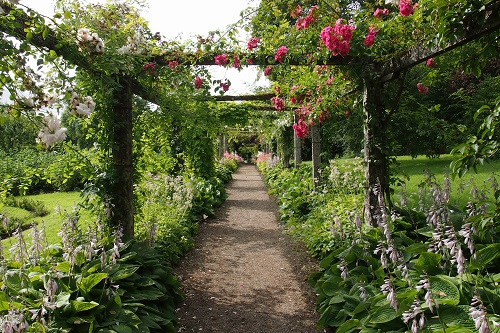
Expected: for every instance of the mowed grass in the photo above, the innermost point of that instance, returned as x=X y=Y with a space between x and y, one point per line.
x=57 y=203
x=417 y=170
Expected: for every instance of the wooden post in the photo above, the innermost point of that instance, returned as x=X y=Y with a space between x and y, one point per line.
x=375 y=158
x=297 y=147
x=316 y=154
x=122 y=193
x=287 y=137
x=222 y=145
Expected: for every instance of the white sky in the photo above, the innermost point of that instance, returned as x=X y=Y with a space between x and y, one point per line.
x=188 y=18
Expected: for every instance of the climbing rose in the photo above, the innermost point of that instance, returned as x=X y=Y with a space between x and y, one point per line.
x=198 y=82
x=236 y=62
x=430 y=62
x=52 y=133
x=337 y=38
x=225 y=86
x=221 y=59
x=300 y=128
x=279 y=103
x=249 y=61
x=150 y=68
x=379 y=12
x=268 y=70
x=422 y=89
x=296 y=12
x=304 y=23
x=370 y=38
x=253 y=43
x=281 y=54
x=173 y=64
x=405 y=8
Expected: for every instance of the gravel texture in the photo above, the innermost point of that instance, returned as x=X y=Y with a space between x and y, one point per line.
x=245 y=273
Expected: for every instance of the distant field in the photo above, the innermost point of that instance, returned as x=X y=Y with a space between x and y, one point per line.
x=64 y=200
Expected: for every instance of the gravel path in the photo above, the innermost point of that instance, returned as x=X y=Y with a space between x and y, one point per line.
x=245 y=274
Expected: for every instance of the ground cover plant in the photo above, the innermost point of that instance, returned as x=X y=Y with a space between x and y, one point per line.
x=431 y=267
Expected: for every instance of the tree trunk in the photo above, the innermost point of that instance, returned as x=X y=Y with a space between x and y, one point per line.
x=375 y=157
x=316 y=154
x=122 y=194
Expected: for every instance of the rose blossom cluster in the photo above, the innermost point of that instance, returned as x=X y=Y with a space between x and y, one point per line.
x=198 y=82
x=150 y=68
x=221 y=59
x=90 y=42
x=281 y=53
x=224 y=86
x=134 y=45
x=52 y=133
x=405 y=7
x=253 y=43
x=337 y=38
x=379 y=12
x=305 y=22
x=422 y=89
x=268 y=70
x=82 y=106
x=279 y=103
x=370 y=38
x=236 y=62
x=301 y=129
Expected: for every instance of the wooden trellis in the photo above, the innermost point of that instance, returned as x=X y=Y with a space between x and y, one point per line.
x=375 y=75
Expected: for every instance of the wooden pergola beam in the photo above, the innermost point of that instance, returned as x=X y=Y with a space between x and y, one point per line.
x=420 y=53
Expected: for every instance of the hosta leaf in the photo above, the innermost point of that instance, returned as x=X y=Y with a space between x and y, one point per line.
x=457 y=315
x=148 y=321
x=347 y=326
x=62 y=299
x=383 y=314
x=4 y=306
x=87 y=283
x=485 y=256
x=79 y=306
x=80 y=320
x=64 y=266
x=331 y=286
x=444 y=291
x=123 y=329
x=428 y=262
x=124 y=273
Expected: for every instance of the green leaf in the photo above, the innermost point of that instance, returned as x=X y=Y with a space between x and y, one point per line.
x=87 y=283
x=428 y=262
x=63 y=299
x=444 y=291
x=347 y=326
x=384 y=314
x=64 y=267
x=457 y=315
x=122 y=329
x=331 y=286
x=79 y=306
x=124 y=273
x=485 y=256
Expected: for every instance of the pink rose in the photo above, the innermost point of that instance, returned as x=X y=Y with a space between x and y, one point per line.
x=198 y=82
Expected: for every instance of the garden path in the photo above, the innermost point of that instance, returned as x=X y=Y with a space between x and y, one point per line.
x=245 y=273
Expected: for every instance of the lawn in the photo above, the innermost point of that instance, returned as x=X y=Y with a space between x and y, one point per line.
x=416 y=169
x=56 y=203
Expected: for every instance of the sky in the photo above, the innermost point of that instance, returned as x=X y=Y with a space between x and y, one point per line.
x=189 y=18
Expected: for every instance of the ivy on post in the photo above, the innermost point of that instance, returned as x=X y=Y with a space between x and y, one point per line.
x=375 y=157
x=297 y=147
x=316 y=154
x=122 y=194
